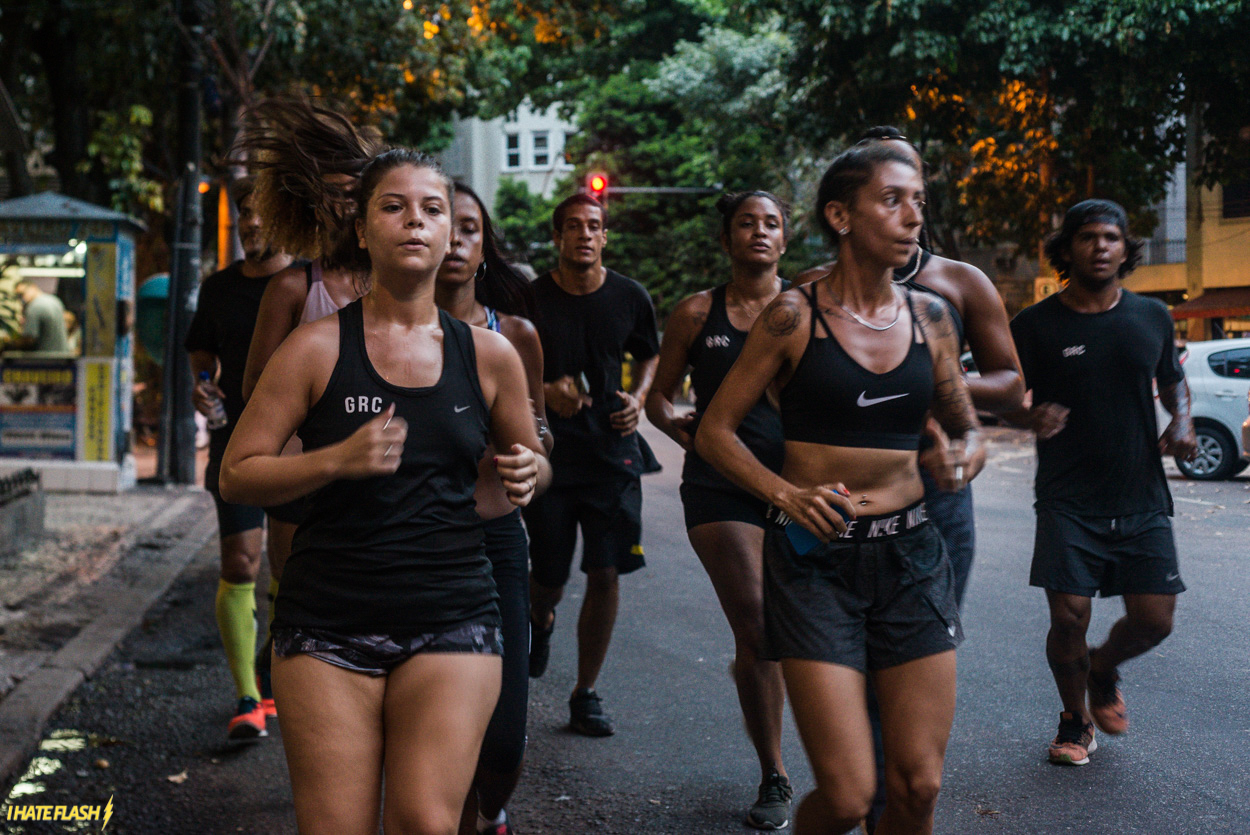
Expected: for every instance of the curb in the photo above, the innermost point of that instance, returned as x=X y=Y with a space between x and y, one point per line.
x=26 y=709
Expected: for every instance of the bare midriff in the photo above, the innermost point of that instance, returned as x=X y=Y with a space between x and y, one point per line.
x=879 y=480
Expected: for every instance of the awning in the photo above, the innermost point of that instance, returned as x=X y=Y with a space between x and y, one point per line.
x=1220 y=302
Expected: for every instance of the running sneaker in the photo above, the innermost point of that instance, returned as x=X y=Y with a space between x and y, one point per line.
x=772 y=808
x=1074 y=742
x=587 y=716
x=265 y=686
x=263 y=681
x=248 y=722
x=1106 y=704
x=502 y=828
x=540 y=646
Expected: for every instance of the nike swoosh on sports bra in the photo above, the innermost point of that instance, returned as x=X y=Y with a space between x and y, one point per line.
x=833 y=400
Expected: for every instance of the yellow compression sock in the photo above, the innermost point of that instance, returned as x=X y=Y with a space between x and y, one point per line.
x=236 y=620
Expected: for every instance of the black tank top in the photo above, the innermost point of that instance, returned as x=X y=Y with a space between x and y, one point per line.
x=906 y=276
x=831 y=399
x=401 y=554
x=711 y=356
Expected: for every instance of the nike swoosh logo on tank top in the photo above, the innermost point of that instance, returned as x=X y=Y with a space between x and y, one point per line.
x=867 y=401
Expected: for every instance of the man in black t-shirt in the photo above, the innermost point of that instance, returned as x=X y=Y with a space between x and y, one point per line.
x=218 y=342
x=1089 y=354
x=589 y=318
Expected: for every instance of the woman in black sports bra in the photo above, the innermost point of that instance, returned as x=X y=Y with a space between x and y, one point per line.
x=725 y=523
x=386 y=636
x=856 y=581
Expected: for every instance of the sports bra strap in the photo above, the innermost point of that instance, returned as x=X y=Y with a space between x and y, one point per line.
x=816 y=314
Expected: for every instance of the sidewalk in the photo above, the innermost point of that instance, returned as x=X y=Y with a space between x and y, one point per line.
x=66 y=604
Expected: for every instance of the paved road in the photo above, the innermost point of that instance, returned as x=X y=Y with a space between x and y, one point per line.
x=680 y=762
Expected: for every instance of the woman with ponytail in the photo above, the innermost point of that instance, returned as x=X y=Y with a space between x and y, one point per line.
x=386 y=635
x=725 y=523
x=307 y=160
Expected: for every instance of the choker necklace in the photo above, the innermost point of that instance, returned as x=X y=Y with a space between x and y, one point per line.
x=897 y=315
x=914 y=270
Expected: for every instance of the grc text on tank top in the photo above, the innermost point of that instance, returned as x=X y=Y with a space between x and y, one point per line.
x=711 y=355
x=401 y=554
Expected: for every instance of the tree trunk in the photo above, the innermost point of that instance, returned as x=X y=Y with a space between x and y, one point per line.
x=56 y=42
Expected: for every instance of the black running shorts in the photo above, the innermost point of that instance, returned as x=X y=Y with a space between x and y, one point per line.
x=881 y=596
x=377 y=655
x=610 y=516
x=704 y=505
x=1105 y=555
x=231 y=518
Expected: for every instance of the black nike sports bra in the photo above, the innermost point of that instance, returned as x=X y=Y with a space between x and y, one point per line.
x=831 y=399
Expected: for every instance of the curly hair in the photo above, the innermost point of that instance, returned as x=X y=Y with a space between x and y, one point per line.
x=307 y=160
x=1059 y=244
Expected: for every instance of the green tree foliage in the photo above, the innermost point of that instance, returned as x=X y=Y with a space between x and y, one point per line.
x=704 y=116
x=1023 y=106
x=77 y=70
x=523 y=220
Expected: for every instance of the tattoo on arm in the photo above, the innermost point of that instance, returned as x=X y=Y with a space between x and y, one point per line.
x=781 y=318
x=1175 y=399
x=952 y=404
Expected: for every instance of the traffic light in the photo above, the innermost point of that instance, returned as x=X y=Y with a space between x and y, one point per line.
x=597 y=186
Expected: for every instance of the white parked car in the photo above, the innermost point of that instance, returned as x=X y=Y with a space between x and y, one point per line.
x=1218 y=373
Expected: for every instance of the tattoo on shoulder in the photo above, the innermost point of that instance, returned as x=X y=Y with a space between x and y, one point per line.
x=781 y=318
x=698 y=319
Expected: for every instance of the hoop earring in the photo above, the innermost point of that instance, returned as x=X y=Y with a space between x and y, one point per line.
x=481 y=271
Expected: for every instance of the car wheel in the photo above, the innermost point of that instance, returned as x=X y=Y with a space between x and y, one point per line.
x=1216 y=459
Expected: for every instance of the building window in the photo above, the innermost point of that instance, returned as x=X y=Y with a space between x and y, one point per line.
x=512 y=151
x=1237 y=199
x=542 y=149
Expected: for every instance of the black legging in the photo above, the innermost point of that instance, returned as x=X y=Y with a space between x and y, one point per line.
x=508 y=550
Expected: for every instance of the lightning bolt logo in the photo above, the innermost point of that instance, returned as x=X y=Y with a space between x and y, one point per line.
x=108 y=813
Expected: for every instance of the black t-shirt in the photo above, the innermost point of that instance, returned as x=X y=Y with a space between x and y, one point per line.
x=225 y=317
x=590 y=335
x=1106 y=460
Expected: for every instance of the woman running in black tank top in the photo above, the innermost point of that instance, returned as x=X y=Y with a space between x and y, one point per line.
x=725 y=524
x=856 y=582
x=386 y=635
x=476 y=285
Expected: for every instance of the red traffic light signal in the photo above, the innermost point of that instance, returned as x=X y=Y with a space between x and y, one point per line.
x=597 y=185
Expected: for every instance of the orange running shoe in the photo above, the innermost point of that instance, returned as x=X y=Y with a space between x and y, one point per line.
x=1106 y=704
x=266 y=694
x=1074 y=742
x=248 y=722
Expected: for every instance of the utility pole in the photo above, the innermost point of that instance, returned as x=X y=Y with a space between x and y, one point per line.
x=1198 y=329
x=176 y=462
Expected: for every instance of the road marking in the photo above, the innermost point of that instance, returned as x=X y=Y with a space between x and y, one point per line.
x=1194 y=501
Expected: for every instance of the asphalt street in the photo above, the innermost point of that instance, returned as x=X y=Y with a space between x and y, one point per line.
x=148 y=729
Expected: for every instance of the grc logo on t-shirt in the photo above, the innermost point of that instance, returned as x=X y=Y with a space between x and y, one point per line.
x=362 y=404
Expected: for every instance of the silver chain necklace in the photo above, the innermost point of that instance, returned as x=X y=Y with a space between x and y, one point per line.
x=898 y=313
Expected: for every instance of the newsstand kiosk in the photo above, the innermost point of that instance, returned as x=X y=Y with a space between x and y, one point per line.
x=68 y=414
